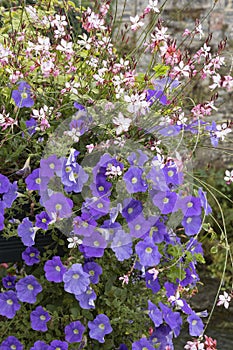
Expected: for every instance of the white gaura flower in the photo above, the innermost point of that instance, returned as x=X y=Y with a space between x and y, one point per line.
x=229 y=176
x=137 y=103
x=224 y=299
x=74 y=242
x=122 y=123
x=136 y=22
x=153 y=5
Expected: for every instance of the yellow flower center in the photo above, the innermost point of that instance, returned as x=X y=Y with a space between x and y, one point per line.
x=148 y=250
x=134 y=180
x=170 y=173
x=24 y=95
x=38 y=181
x=58 y=207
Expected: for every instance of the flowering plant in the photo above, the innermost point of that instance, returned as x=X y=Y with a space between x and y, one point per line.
x=105 y=159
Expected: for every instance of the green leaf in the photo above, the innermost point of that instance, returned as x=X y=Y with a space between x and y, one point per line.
x=160 y=70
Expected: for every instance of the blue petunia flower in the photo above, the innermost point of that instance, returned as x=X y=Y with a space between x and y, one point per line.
x=94 y=270
x=74 y=332
x=196 y=325
x=27 y=289
x=142 y=344
x=26 y=232
x=86 y=299
x=76 y=281
x=134 y=181
x=31 y=256
x=99 y=327
x=148 y=252
x=9 y=304
x=11 y=342
x=22 y=96
x=122 y=245
x=155 y=314
x=39 y=318
x=40 y=345
x=54 y=269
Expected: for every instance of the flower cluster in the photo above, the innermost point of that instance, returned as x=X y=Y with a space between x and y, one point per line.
x=109 y=182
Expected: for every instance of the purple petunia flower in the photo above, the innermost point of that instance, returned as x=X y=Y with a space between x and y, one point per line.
x=59 y=206
x=84 y=225
x=86 y=299
x=4 y=184
x=142 y=344
x=196 y=325
x=140 y=226
x=40 y=345
x=54 y=270
x=73 y=177
x=204 y=202
x=155 y=314
x=134 y=181
x=132 y=208
x=192 y=225
x=76 y=281
x=79 y=106
x=27 y=289
x=10 y=195
x=43 y=220
x=8 y=282
x=190 y=206
x=22 y=96
x=213 y=133
x=162 y=336
x=122 y=245
x=101 y=187
x=74 y=332
x=94 y=245
x=156 y=95
x=31 y=256
x=11 y=342
x=50 y=166
x=157 y=178
x=97 y=206
x=9 y=304
x=152 y=283
x=148 y=252
x=158 y=231
x=172 y=176
x=167 y=82
x=99 y=327
x=58 y=345
x=173 y=319
x=39 y=318
x=35 y=181
x=94 y=270
x=31 y=126
x=26 y=232
x=165 y=201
